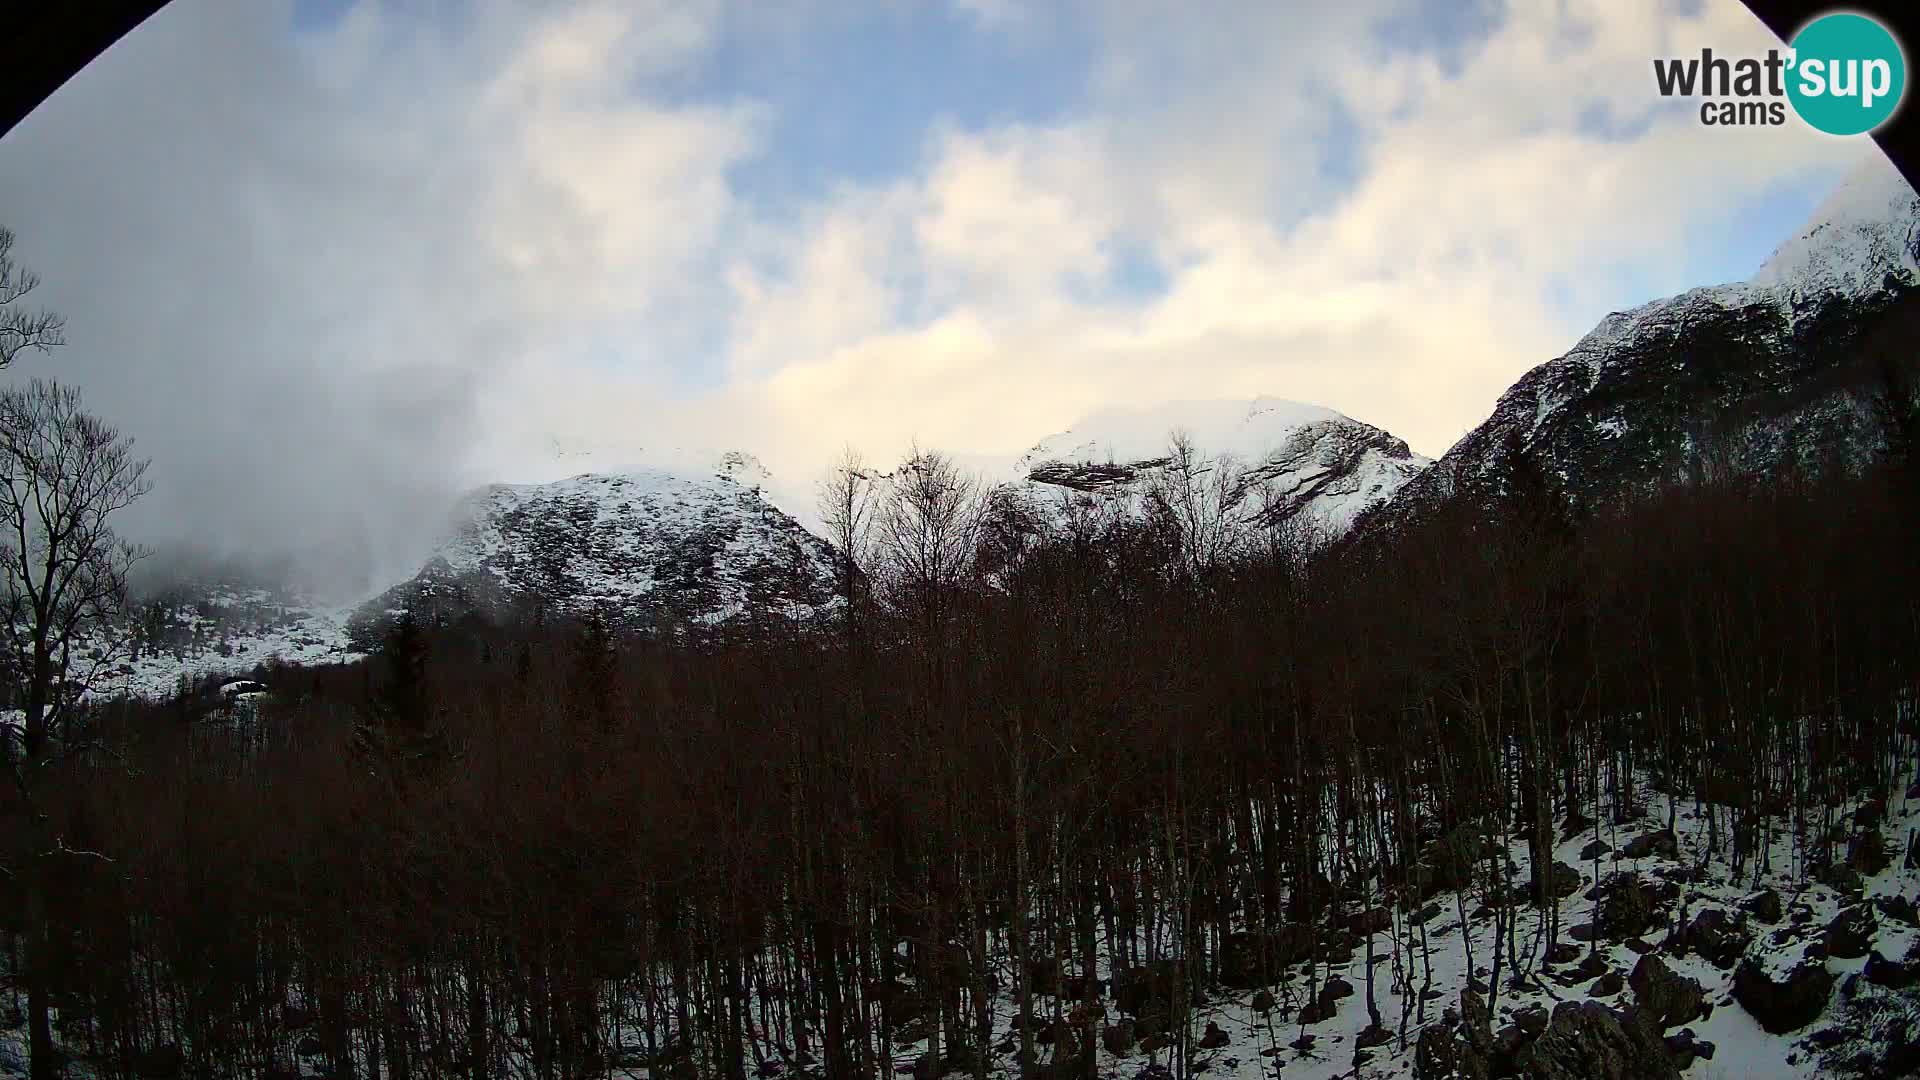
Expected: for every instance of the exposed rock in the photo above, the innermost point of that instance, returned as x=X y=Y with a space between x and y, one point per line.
x=1753 y=366
x=1714 y=936
x=1371 y=921
x=1587 y=1041
x=1531 y=1020
x=1850 y=934
x=1867 y=853
x=1784 y=1003
x=1447 y=864
x=1684 y=1046
x=655 y=548
x=1458 y=1048
x=1317 y=1011
x=1765 y=906
x=1607 y=985
x=1593 y=850
x=1250 y=960
x=1892 y=974
x=1665 y=998
x=1898 y=908
x=1625 y=908
x=1324 y=468
x=1841 y=878
x=1592 y=966
x=1145 y=990
x=1562 y=881
x=1661 y=843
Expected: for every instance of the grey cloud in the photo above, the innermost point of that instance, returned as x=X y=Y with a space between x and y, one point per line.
x=289 y=308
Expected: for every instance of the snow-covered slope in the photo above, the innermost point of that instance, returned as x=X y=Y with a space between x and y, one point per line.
x=647 y=546
x=1313 y=464
x=196 y=630
x=1761 y=374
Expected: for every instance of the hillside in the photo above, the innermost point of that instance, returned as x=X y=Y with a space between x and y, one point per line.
x=649 y=548
x=1776 y=372
x=1311 y=465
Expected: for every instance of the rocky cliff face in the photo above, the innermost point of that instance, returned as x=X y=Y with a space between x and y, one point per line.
x=1309 y=464
x=649 y=548
x=1775 y=372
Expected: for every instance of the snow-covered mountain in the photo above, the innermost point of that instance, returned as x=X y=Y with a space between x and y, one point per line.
x=1759 y=375
x=696 y=546
x=647 y=546
x=1312 y=464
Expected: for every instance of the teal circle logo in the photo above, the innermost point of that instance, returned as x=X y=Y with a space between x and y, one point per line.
x=1848 y=74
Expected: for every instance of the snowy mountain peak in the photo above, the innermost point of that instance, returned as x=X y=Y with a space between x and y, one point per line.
x=583 y=457
x=1246 y=429
x=1867 y=229
x=1766 y=372
x=1317 y=465
x=650 y=546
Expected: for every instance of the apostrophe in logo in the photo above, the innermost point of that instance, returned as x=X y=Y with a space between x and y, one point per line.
x=1847 y=74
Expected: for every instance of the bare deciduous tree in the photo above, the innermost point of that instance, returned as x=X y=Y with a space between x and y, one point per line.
x=22 y=328
x=63 y=474
x=928 y=532
x=848 y=499
x=1200 y=498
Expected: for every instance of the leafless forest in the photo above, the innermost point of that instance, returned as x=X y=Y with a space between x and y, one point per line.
x=1096 y=767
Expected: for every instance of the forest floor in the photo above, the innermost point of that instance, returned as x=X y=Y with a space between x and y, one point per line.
x=1864 y=935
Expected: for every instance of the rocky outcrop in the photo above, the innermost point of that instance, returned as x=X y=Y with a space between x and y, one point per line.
x=651 y=549
x=1664 y=998
x=1762 y=375
x=1588 y=1041
x=1783 y=1001
x=1297 y=463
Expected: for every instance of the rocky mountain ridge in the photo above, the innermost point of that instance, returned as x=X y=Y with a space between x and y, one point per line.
x=1296 y=463
x=1773 y=373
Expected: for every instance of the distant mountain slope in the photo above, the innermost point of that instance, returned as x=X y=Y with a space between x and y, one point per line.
x=1759 y=375
x=649 y=547
x=1316 y=465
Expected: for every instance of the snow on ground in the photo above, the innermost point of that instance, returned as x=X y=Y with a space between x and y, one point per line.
x=1265 y=1046
x=226 y=634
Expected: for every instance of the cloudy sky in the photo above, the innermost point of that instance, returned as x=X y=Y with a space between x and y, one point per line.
x=329 y=260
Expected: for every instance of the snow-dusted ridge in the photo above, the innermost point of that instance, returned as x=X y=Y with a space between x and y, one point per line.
x=694 y=537
x=647 y=546
x=1756 y=369
x=1316 y=465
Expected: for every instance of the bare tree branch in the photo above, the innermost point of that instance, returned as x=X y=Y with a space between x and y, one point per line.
x=21 y=328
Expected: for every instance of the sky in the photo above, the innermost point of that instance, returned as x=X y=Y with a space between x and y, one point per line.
x=330 y=261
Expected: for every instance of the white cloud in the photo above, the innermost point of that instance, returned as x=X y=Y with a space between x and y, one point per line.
x=406 y=254
x=1409 y=300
